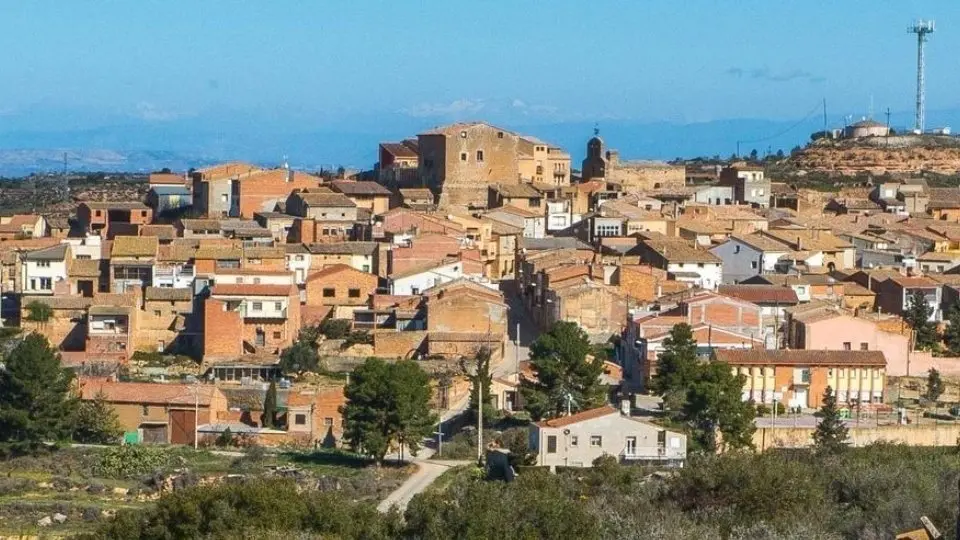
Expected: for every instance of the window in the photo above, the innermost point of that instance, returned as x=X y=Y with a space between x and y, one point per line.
x=256 y=281
x=97 y=213
x=479 y=155
x=146 y=410
x=864 y=346
x=463 y=156
x=354 y=293
x=255 y=261
x=736 y=249
x=278 y=306
x=329 y=293
x=224 y=197
x=414 y=290
x=277 y=335
x=239 y=280
x=699 y=265
x=300 y=419
x=298 y=258
x=33 y=284
x=574 y=440
x=258 y=306
x=366 y=268
x=801 y=290
x=499 y=134
x=535 y=203
x=143 y=213
x=46 y=283
x=846 y=345
x=551 y=444
x=328 y=421
x=829 y=372
x=43 y=264
x=157 y=313
x=753 y=265
x=596 y=441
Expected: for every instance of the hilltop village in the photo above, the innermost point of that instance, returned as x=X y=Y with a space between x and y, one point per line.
x=237 y=299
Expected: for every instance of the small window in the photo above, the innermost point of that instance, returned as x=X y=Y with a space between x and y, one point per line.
x=258 y=306
x=43 y=264
x=699 y=265
x=846 y=345
x=479 y=155
x=596 y=441
x=277 y=335
x=463 y=156
x=736 y=249
x=157 y=313
x=256 y=281
x=97 y=213
x=499 y=134
x=551 y=444
x=366 y=268
x=278 y=306
x=414 y=290
x=143 y=213
x=574 y=440
x=328 y=421
x=329 y=293
x=753 y=265
x=298 y=258
x=829 y=372
x=224 y=198
x=239 y=280
x=864 y=346
x=354 y=293
x=300 y=419
x=146 y=410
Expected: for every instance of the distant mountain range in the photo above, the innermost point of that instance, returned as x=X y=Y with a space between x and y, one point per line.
x=143 y=145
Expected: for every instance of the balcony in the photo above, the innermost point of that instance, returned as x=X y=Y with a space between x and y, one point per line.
x=247 y=312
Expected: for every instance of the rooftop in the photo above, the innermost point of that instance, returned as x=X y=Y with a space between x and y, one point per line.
x=578 y=417
x=353 y=187
x=134 y=246
x=326 y=200
x=344 y=248
x=517 y=191
x=801 y=358
x=167 y=293
x=127 y=392
x=53 y=253
x=761 y=294
x=243 y=289
x=108 y=205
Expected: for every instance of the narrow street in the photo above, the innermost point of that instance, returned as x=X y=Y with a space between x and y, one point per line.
x=528 y=330
x=427 y=472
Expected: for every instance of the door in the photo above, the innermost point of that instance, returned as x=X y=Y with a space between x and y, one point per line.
x=800 y=397
x=261 y=338
x=182 y=425
x=631 y=448
x=154 y=433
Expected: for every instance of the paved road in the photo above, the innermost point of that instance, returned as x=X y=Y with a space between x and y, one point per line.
x=427 y=472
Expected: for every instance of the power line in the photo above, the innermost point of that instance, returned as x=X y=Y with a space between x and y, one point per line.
x=809 y=115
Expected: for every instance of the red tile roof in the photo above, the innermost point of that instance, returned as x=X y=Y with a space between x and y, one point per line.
x=125 y=392
x=801 y=358
x=761 y=294
x=578 y=417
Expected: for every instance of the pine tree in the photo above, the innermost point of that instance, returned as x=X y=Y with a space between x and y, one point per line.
x=478 y=373
x=714 y=404
x=37 y=405
x=918 y=317
x=934 y=385
x=952 y=334
x=830 y=436
x=676 y=365
x=269 y=419
x=563 y=377
x=96 y=422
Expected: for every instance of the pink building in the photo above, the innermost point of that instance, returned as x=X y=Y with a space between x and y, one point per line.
x=830 y=329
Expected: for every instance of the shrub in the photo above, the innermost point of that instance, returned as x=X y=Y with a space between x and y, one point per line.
x=336 y=328
x=39 y=312
x=358 y=337
x=130 y=460
x=762 y=410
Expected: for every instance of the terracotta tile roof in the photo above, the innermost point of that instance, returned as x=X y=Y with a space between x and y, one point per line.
x=200 y=224
x=760 y=242
x=904 y=281
x=264 y=252
x=855 y=289
x=218 y=253
x=226 y=169
x=801 y=357
x=578 y=417
x=761 y=294
x=344 y=248
x=517 y=191
x=163 y=232
x=417 y=193
x=134 y=246
x=941 y=198
x=335 y=269
x=243 y=289
x=60 y=302
x=510 y=209
x=149 y=393
x=815 y=240
x=84 y=268
x=677 y=252
x=167 y=293
x=108 y=310
x=166 y=178
x=399 y=150
x=354 y=187
x=327 y=200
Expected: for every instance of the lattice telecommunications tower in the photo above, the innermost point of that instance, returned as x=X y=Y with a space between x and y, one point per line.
x=921 y=29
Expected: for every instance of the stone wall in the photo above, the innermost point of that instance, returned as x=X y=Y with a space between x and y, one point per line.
x=913 y=435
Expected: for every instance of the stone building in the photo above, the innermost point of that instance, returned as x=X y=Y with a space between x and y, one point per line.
x=605 y=165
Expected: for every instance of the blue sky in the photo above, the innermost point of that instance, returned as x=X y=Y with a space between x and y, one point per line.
x=232 y=65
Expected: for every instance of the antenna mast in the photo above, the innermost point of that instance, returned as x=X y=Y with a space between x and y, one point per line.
x=921 y=29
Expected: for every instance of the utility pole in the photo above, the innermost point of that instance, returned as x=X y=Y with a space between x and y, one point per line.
x=196 y=415
x=480 y=421
x=516 y=346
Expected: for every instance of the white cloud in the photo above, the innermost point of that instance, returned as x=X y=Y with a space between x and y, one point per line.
x=460 y=106
x=518 y=104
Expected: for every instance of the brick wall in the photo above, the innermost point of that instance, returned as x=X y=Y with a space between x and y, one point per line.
x=261 y=192
x=222 y=330
x=342 y=282
x=424 y=249
x=465 y=313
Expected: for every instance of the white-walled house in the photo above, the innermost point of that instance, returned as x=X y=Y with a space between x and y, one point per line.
x=42 y=268
x=749 y=255
x=683 y=261
x=534 y=225
x=418 y=279
x=298 y=261
x=577 y=440
x=87 y=247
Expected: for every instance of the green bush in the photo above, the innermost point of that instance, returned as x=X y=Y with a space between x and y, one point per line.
x=336 y=328
x=130 y=460
x=762 y=410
